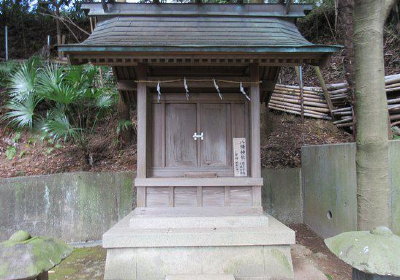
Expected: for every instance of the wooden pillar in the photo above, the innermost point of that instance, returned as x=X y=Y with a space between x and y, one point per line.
x=141 y=107
x=324 y=89
x=299 y=72
x=255 y=131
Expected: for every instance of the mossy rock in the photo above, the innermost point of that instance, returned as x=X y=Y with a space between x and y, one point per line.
x=23 y=256
x=373 y=252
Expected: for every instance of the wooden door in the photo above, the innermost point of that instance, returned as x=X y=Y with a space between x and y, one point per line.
x=215 y=124
x=173 y=150
x=180 y=123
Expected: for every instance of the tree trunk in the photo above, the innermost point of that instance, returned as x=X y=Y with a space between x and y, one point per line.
x=373 y=193
x=346 y=27
x=58 y=26
x=346 y=8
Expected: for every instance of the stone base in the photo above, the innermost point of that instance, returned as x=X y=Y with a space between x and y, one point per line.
x=200 y=277
x=258 y=248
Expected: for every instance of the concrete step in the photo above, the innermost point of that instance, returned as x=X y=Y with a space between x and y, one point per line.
x=201 y=277
x=198 y=222
x=191 y=218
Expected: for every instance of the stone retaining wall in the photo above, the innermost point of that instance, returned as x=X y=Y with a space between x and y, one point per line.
x=76 y=207
x=81 y=206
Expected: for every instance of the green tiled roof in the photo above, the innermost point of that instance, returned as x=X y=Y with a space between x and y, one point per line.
x=150 y=30
x=195 y=32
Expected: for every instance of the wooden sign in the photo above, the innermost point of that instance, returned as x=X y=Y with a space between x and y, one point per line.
x=239 y=157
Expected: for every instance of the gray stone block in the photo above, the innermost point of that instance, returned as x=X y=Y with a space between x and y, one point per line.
x=256 y=252
x=200 y=277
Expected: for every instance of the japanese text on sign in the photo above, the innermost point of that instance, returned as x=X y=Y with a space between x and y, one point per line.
x=239 y=157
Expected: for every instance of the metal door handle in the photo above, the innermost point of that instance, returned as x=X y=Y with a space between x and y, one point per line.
x=196 y=136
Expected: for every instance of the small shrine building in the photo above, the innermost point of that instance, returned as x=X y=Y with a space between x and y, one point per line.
x=198 y=74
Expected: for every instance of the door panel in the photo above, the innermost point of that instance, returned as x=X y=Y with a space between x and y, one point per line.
x=181 y=149
x=239 y=119
x=157 y=115
x=215 y=124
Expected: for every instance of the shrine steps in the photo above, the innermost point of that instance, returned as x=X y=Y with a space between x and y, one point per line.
x=150 y=244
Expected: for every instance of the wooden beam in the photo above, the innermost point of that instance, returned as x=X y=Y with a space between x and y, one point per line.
x=324 y=89
x=299 y=72
x=198 y=182
x=141 y=73
x=131 y=84
x=255 y=122
x=255 y=158
x=127 y=85
x=232 y=59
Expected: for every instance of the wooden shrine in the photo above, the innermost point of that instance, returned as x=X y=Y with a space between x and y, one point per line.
x=198 y=74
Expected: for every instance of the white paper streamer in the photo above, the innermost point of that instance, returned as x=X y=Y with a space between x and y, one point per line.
x=242 y=91
x=186 y=88
x=158 y=92
x=217 y=88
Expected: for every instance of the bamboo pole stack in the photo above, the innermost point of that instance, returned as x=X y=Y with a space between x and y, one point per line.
x=344 y=113
x=287 y=99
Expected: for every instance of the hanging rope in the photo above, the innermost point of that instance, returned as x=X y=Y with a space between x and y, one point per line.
x=186 y=88
x=217 y=88
x=197 y=80
x=185 y=81
x=242 y=91
x=158 y=92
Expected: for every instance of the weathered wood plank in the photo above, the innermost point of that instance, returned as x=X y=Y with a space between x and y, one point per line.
x=185 y=196
x=241 y=196
x=181 y=150
x=198 y=182
x=213 y=196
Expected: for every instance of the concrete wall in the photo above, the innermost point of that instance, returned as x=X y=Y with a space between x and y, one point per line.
x=79 y=207
x=282 y=194
x=330 y=187
x=76 y=207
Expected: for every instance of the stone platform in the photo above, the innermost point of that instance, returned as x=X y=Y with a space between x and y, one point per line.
x=150 y=244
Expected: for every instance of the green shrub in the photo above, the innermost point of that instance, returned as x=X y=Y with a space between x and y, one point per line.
x=73 y=102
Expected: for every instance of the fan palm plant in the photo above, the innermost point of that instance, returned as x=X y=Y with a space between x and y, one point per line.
x=74 y=104
x=22 y=83
x=21 y=88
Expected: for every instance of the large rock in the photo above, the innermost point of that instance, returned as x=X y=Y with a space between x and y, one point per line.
x=23 y=256
x=372 y=252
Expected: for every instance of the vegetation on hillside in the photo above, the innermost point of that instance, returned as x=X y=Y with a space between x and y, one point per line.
x=60 y=102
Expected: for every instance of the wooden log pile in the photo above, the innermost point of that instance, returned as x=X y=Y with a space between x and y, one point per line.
x=288 y=99
x=344 y=113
